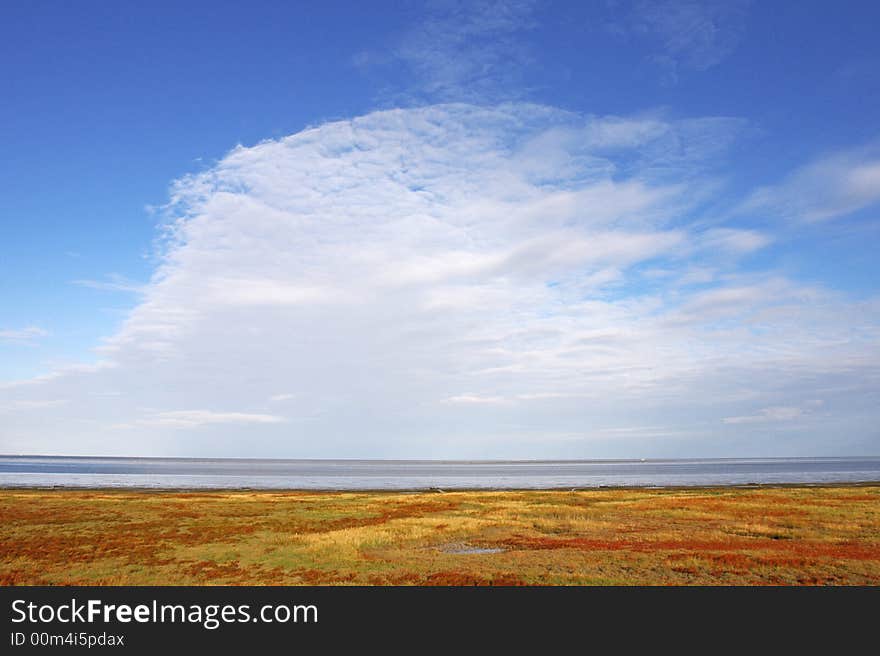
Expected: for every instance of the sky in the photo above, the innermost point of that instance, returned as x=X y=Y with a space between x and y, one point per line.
x=619 y=229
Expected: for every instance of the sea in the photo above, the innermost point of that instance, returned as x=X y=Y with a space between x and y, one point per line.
x=264 y=474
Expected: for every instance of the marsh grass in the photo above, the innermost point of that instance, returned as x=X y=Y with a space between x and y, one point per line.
x=786 y=535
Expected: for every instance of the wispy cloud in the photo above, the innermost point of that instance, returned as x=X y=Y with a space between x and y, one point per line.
x=25 y=405
x=22 y=335
x=475 y=399
x=113 y=283
x=734 y=240
x=198 y=418
x=693 y=35
x=828 y=188
x=461 y=51
x=776 y=414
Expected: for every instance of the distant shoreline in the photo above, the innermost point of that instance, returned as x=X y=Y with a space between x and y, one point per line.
x=409 y=476
x=454 y=461
x=429 y=490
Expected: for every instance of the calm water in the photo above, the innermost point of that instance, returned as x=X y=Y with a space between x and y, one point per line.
x=33 y=471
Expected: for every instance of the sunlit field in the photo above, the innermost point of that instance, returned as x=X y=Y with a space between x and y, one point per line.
x=785 y=535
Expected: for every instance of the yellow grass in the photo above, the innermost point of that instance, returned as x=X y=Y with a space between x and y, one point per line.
x=786 y=535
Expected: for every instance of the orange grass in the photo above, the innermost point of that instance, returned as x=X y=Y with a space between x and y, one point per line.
x=783 y=535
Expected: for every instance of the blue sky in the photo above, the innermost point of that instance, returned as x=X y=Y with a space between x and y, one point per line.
x=730 y=150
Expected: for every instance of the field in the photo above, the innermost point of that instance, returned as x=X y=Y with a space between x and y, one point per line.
x=781 y=535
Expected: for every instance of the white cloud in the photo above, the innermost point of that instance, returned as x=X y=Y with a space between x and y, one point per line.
x=19 y=405
x=828 y=188
x=474 y=399
x=196 y=418
x=736 y=241
x=22 y=335
x=458 y=281
x=114 y=283
x=775 y=414
x=461 y=50
x=691 y=34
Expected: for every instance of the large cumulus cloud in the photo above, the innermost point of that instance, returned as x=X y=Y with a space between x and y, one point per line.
x=463 y=281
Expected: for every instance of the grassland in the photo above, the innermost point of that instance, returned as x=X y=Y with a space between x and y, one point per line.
x=785 y=535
